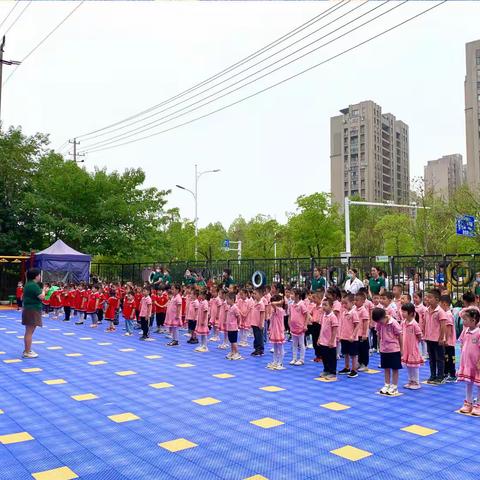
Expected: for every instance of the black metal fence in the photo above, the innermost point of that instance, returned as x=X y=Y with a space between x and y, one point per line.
x=458 y=271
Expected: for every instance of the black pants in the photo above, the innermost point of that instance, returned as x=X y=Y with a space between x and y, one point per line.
x=374 y=338
x=68 y=312
x=258 y=343
x=329 y=359
x=436 y=355
x=314 y=331
x=160 y=319
x=100 y=314
x=450 y=361
x=144 y=325
x=363 y=352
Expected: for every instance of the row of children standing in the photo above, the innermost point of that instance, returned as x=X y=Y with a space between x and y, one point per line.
x=336 y=322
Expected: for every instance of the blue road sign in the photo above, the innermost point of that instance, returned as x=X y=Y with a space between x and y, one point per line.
x=226 y=243
x=466 y=225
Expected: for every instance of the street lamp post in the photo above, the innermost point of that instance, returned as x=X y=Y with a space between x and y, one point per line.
x=195 y=198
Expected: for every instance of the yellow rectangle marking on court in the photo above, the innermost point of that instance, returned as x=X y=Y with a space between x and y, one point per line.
x=55 y=381
x=266 y=422
x=419 y=430
x=123 y=417
x=15 y=438
x=83 y=397
x=161 y=385
x=336 y=407
x=61 y=473
x=177 y=445
x=206 y=401
x=351 y=453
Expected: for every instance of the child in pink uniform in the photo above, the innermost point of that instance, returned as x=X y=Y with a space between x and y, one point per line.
x=450 y=340
x=244 y=307
x=390 y=337
x=363 y=343
x=349 y=332
x=192 y=314
x=469 y=371
x=276 y=332
x=412 y=335
x=173 y=317
x=201 y=330
x=232 y=321
x=420 y=308
x=328 y=340
x=214 y=304
x=298 y=326
x=222 y=315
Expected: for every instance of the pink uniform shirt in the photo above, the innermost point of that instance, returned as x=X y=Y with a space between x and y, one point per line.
x=192 y=310
x=145 y=303
x=389 y=336
x=258 y=307
x=348 y=325
x=364 y=317
x=233 y=318
x=421 y=309
x=470 y=342
x=450 y=334
x=329 y=321
x=297 y=317
x=433 y=320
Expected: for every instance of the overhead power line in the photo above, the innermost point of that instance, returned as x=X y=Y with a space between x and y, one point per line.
x=291 y=77
x=45 y=38
x=15 y=5
x=177 y=114
x=18 y=17
x=228 y=69
x=240 y=72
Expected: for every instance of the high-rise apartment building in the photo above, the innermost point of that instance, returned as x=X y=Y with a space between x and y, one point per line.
x=444 y=175
x=369 y=155
x=472 y=112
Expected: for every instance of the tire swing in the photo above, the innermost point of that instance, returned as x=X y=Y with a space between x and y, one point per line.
x=259 y=279
x=458 y=275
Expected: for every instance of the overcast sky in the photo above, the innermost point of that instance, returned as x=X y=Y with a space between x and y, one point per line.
x=113 y=59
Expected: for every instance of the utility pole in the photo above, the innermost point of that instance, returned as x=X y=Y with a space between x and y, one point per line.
x=74 y=154
x=4 y=62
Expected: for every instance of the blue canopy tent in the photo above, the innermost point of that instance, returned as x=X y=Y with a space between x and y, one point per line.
x=61 y=263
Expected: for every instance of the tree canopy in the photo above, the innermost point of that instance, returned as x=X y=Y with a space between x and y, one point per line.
x=113 y=216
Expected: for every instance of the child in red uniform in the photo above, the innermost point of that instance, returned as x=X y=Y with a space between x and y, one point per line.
x=68 y=299
x=161 y=308
x=81 y=302
x=92 y=306
x=56 y=302
x=110 y=312
x=129 y=313
x=138 y=298
x=19 y=295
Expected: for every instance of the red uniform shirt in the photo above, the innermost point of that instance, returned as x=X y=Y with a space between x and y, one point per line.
x=129 y=309
x=56 y=299
x=92 y=302
x=112 y=305
x=162 y=302
x=138 y=299
x=19 y=292
x=154 y=296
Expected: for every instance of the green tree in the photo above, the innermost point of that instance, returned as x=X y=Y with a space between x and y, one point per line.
x=395 y=229
x=315 y=228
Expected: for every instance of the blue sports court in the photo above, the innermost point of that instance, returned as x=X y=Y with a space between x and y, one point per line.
x=100 y=406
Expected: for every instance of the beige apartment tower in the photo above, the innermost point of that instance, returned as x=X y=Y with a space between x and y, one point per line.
x=443 y=176
x=369 y=155
x=472 y=113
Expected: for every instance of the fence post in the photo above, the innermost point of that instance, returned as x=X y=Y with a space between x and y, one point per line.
x=122 y=275
x=391 y=264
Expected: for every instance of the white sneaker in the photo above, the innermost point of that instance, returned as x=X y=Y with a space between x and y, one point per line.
x=384 y=389
x=362 y=368
x=272 y=366
x=237 y=356
x=310 y=346
x=272 y=350
x=213 y=339
x=243 y=344
x=223 y=346
x=279 y=366
x=293 y=362
x=229 y=355
x=187 y=334
x=299 y=362
x=392 y=390
x=199 y=349
x=30 y=354
x=127 y=334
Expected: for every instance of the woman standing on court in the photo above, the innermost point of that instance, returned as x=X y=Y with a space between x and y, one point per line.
x=32 y=309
